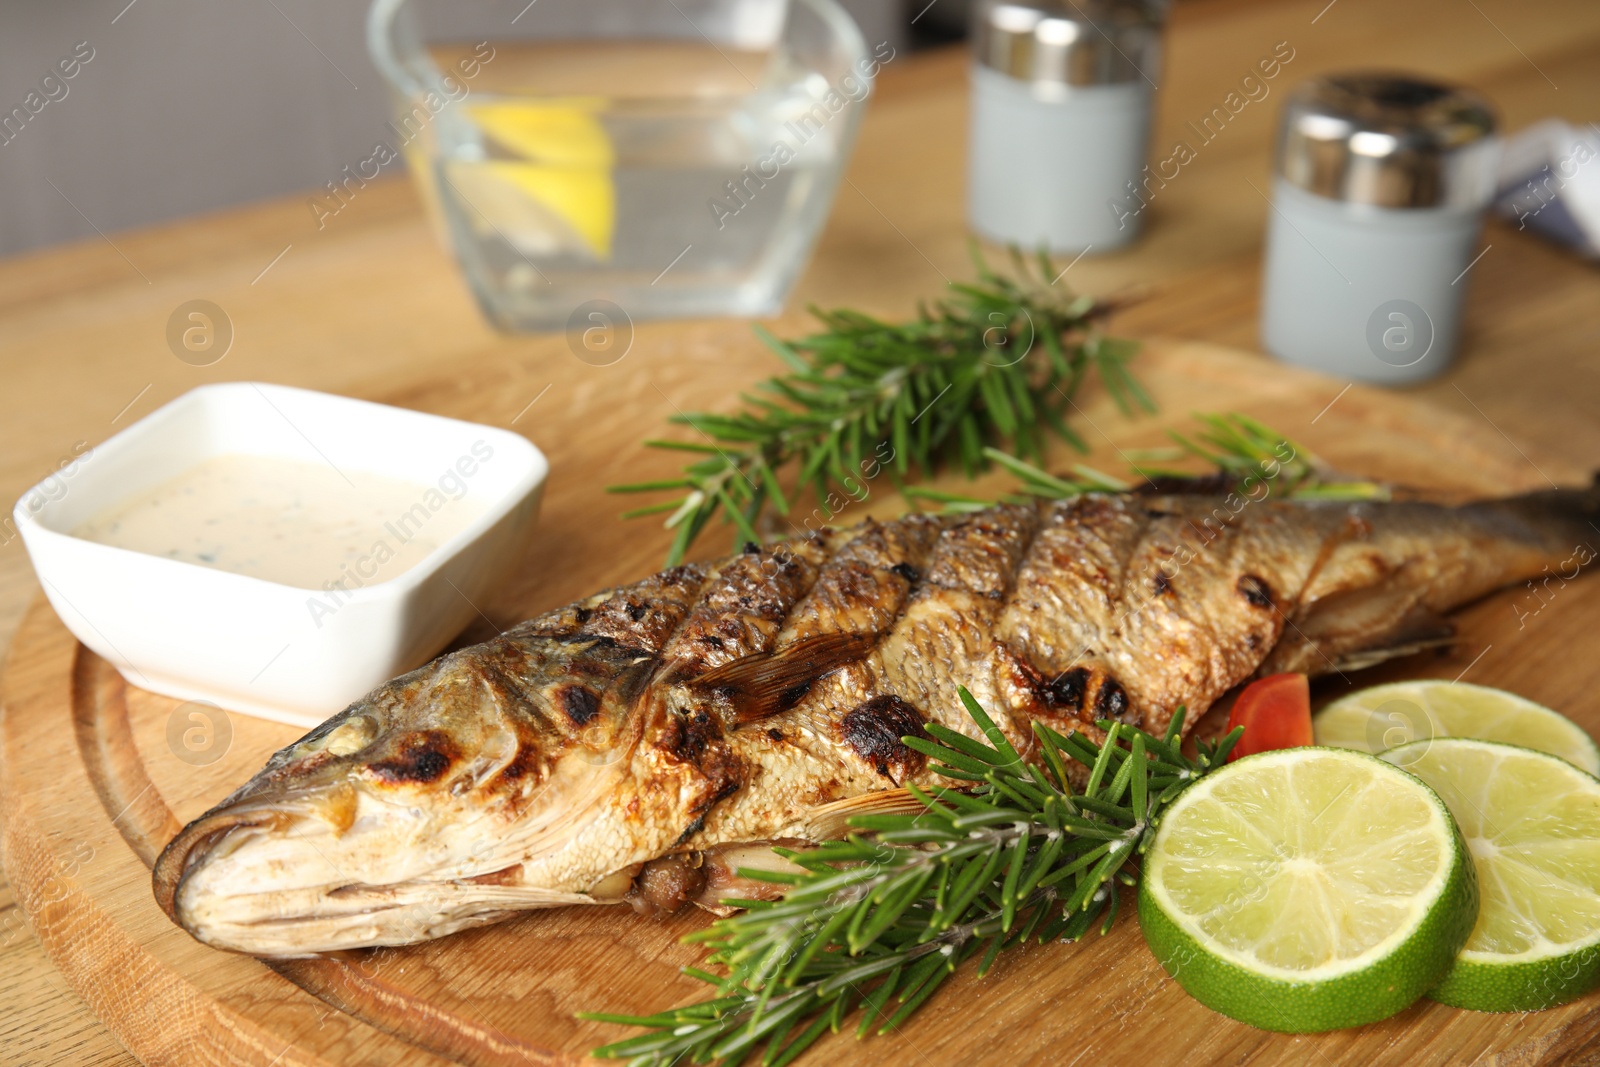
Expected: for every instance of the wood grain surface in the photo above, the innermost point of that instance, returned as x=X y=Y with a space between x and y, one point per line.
x=93 y=787
x=371 y=307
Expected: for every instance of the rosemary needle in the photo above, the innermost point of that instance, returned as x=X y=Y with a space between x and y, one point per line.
x=1245 y=457
x=995 y=362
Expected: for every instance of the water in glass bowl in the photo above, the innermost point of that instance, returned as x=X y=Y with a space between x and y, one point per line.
x=672 y=178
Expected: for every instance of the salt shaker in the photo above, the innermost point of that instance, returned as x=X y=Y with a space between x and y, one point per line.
x=1061 y=100
x=1377 y=203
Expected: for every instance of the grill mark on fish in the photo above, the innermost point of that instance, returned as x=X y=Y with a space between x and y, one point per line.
x=1111 y=702
x=874 y=731
x=696 y=741
x=580 y=704
x=791 y=696
x=1066 y=690
x=1255 y=590
x=691 y=735
x=520 y=764
x=1087 y=695
x=422 y=758
x=696 y=826
x=702 y=811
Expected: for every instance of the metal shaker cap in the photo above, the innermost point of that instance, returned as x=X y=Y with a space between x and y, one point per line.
x=1389 y=140
x=1069 y=42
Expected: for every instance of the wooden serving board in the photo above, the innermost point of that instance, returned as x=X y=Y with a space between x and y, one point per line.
x=91 y=790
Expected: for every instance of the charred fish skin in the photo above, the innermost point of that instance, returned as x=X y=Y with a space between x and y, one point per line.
x=764 y=696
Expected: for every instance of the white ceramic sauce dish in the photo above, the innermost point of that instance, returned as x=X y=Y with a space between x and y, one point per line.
x=293 y=654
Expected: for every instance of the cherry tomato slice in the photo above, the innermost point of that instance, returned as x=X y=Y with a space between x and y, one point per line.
x=1275 y=713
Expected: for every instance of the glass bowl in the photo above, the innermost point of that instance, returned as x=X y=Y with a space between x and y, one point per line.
x=586 y=159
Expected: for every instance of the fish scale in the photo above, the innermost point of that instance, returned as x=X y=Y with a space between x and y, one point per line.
x=638 y=744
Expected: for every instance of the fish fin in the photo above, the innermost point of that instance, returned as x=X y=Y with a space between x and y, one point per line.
x=769 y=682
x=724 y=881
x=1330 y=647
x=1418 y=630
x=1371 y=657
x=831 y=821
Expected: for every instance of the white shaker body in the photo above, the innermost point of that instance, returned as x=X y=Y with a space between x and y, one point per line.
x=1361 y=292
x=1051 y=166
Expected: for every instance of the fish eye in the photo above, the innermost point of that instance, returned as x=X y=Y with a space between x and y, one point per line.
x=352 y=735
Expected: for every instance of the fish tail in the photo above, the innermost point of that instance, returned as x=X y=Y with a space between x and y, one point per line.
x=1562 y=522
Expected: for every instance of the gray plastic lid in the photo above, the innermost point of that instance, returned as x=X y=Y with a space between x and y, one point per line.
x=1069 y=42
x=1388 y=140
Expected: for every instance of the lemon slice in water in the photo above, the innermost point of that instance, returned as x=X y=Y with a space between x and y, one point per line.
x=558 y=157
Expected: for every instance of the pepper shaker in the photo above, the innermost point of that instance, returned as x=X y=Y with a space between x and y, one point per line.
x=1377 y=203
x=1061 y=100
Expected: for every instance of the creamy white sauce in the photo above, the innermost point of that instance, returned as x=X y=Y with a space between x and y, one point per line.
x=286 y=521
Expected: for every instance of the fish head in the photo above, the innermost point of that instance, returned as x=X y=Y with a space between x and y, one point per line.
x=445 y=799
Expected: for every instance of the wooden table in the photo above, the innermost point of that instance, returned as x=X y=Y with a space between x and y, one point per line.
x=370 y=306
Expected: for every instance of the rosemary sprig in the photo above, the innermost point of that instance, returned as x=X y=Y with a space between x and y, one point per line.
x=878 y=921
x=1239 y=445
x=1243 y=453
x=997 y=361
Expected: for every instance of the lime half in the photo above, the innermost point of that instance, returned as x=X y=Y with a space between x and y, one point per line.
x=1384 y=716
x=1307 y=889
x=1532 y=824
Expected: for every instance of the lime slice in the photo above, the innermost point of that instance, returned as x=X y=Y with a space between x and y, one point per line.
x=1388 y=715
x=1532 y=824
x=1307 y=889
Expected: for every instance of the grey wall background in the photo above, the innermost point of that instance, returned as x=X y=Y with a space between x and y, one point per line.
x=193 y=105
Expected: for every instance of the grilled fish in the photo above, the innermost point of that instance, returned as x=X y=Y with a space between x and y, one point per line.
x=645 y=742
